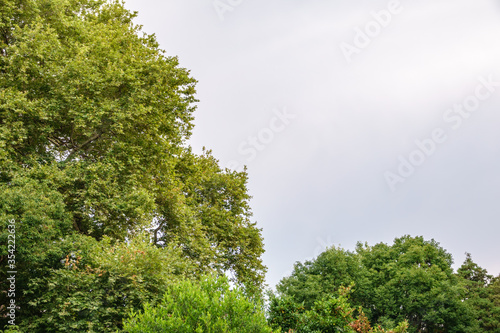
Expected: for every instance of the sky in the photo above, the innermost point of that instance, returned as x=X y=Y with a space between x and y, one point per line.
x=358 y=121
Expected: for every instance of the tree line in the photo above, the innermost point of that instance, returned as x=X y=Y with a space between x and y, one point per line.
x=119 y=226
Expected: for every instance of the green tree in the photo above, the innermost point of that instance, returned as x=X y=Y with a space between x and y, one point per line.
x=284 y=312
x=312 y=280
x=206 y=209
x=410 y=280
x=413 y=280
x=206 y=306
x=94 y=120
x=482 y=295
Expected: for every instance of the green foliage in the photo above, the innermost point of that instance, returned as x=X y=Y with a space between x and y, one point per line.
x=40 y=220
x=284 y=312
x=329 y=314
x=83 y=88
x=97 y=285
x=323 y=276
x=482 y=295
x=205 y=306
x=206 y=209
x=412 y=280
x=81 y=83
x=94 y=120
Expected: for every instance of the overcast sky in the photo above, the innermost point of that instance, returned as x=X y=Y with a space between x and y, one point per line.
x=358 y=120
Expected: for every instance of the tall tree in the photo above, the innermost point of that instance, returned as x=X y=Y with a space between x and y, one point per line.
x=94 y=122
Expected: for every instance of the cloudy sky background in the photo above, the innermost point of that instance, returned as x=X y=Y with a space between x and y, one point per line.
x=319 y=178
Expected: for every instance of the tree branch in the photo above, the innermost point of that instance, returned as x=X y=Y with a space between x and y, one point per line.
x=156 y=233
x=94 y=137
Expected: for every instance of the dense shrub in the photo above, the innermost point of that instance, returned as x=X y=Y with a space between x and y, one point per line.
x=205 y=306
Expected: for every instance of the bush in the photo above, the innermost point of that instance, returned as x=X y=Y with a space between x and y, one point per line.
x=205 y=306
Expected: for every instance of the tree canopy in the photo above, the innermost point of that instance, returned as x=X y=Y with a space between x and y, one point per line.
x=482 y=294
x=116 y=220
x=94 y=123
x=411 y=280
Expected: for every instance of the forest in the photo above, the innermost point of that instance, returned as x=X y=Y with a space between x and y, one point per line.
x=109 y=222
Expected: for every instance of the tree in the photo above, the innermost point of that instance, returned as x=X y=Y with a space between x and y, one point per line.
x=284 y=312
x=207 y=210
x=323 y=276
x=94 y=120
x=413 y=280
x=410 y=280
x=206 y=306
x=482 y=295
